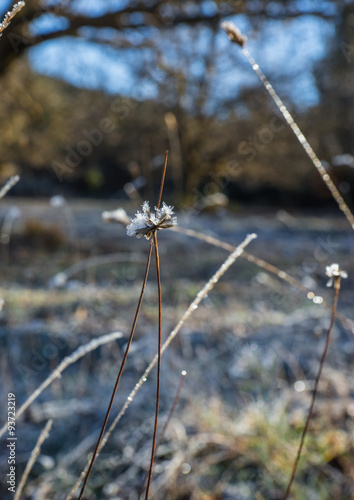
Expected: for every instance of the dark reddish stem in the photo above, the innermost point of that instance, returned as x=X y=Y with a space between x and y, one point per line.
x=119 y=374
x=162 y=180
x=158 y=367
x=168 y=420
x=173 y=407
x=314 y=393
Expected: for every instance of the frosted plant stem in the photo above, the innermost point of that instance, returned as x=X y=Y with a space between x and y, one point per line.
x=173 y=407
x=114 y=392
x=268 y=267
x=97 y=260
x=301 y=138
x=162 y=180
x=10 y=15
x=169 y=418
x=9 y=184
x=69 y=360
x=193 y=306
x=314 y=393
x=158 y=365
x=36 y=451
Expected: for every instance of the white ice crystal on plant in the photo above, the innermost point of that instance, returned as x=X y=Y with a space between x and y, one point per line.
x=334 y=271
x=145 y=222
x=10 y=15
x=119 y=215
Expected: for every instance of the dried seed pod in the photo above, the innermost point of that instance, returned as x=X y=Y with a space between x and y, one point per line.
x=233 y=33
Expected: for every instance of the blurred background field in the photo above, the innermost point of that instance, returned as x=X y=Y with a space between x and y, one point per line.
x=251 y=352
x=92 y=94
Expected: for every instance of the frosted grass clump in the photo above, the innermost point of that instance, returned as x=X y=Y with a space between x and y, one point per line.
x=146 y=223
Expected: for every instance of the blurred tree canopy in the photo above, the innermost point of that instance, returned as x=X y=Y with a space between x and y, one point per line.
x=69 y=139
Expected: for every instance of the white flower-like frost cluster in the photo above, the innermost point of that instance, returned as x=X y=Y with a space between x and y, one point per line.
x=145 y=223
x=333 y=271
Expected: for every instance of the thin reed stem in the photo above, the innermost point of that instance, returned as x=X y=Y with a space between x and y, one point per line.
x=36 y=451
x=168 y=420
x=97 y=260
x=162 y=180
x=192 y=308
x=8 y=185
x=10 y=15
x=314 y=393
x=236 y=37
x=268 y=267
x=173 y=407
x=301 y=138
x=158 y=365
x=69 y=360
x=119 y=374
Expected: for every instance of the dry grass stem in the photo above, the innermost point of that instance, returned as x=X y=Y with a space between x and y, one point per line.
x=173 y=407
x=169 y=417
x=268 y=267
x=314 y=393
x=36 y=451
x=9 y=16
x=193 y=306
x=299 y=135
x=69 y=360
x=263 y=264
x=61 y=278
x=162 y=180
x=95 y=453
x=234 y=33
x=9 y=184
x=158 y=357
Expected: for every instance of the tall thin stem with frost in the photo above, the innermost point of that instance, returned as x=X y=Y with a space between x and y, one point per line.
x=236 y=37
x=158 y=370
x=145 y=223
x=335 y=275
x=10 y=15
x=95 y=453
x=8 y=185
x=191 y=309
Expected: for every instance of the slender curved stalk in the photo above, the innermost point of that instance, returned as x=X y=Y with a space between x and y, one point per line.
x=314 y=393
x=236 y=37
x=36 y=451
x=10 y=15
x=9 y=184
x=158 y=368
x=284 y=276
x=69 y=360
x=168 y=420
x=152 y=243
x=95 y=453
x=162 y=180
x=192 y=308
x=173 y=407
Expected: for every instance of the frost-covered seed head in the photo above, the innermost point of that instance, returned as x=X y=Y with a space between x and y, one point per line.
x=10 y=15
x=146 y=223
x=333 y=271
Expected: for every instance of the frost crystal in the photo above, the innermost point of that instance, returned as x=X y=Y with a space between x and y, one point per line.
x=118 y=215
x=334 y=271
x=146 y=223
x=10 y=15
x=233 y=33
